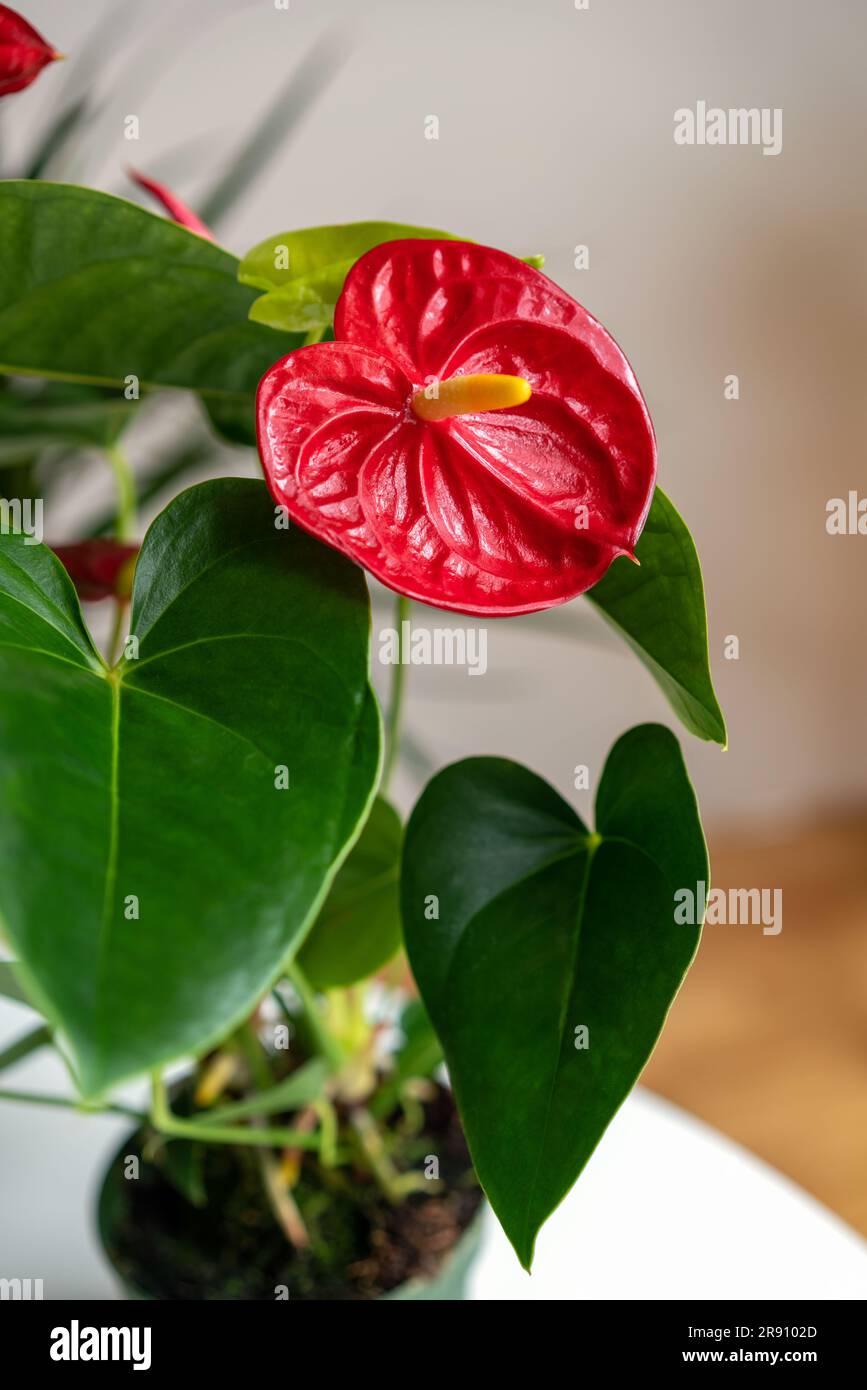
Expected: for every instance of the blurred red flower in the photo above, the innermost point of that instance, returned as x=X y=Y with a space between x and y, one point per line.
x=99 y=569
x=23 y=52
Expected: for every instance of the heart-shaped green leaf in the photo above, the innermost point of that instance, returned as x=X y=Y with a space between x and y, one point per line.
x=303 y=272
x=96 y=289
x=658 y=606
x=169 y=829
x=358 y=929
x=523 y=929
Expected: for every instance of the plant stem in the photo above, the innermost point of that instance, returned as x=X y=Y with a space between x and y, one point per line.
x=115 y=641
x=251 y=1046
x=166 y=1122
x=372 y=1147
x=126 y=498
x=327 y=1045
x=394 y=716
x=283 y=1205
x=63 y=1102
x=39 y=1037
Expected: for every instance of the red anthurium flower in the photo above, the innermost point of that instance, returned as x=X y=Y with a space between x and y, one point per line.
x=473 y=437
x=99 y=569
x=176 y=209
x=23 y=52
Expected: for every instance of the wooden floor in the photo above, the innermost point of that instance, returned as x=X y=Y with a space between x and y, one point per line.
x=767 y=1040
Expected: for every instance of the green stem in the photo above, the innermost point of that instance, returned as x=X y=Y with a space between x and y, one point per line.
x=325 y=1044
x=163 y=1119
x=126 y=498
x=256 y=1059
x=115 y=641
x=39 y=1037
x=64 y=1103
x=393 y=719
x=372 y=1146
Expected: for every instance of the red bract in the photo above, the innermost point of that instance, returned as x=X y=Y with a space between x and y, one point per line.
x=176 y=209
x=99 y=569
x=23 y=52
x=473 y=437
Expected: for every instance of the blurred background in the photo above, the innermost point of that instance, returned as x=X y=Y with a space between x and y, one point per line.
x=556 y=132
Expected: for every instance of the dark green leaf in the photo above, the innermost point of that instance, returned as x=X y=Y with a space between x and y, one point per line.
x=23 y=1047
x=155 y=788
x=544 y=928
x=60 y=412
x=659 y=608
x=57 y=135
x=358 y=929
x=96 y=289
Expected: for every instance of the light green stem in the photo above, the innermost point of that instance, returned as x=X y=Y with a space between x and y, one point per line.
x=126 y=496
x=394 y=717
x=326 y=1045
x=163 y=1119
x=115 y=641
x=64 y=1103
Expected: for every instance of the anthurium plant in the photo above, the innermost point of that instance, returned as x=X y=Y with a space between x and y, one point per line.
x=205 y=884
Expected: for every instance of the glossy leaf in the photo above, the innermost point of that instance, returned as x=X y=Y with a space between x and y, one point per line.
x=303 y=272
x=158 y=870
x=96 y=289
x=659 y=608
x=543 y=928
x=358 y=929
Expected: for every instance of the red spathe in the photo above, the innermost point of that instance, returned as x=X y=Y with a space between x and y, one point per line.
x=494 y=513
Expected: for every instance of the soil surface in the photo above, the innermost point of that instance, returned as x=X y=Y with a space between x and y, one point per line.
x=230 y=1247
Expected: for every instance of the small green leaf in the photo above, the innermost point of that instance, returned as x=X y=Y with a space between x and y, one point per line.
x=659 y=608
x=303 y=272
x=522 y=927
x=358 y=929
x=167 y=842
